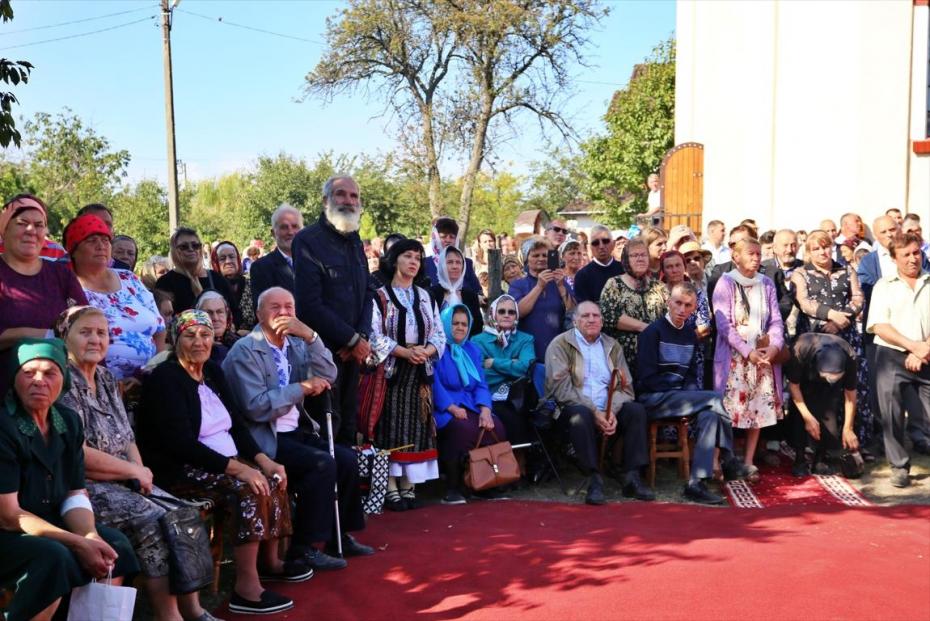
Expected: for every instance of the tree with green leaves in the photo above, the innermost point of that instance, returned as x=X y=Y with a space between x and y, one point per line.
x=141 y=211
x=556 y=182
x=13 y=72
x=68 y=165
x=640 y=129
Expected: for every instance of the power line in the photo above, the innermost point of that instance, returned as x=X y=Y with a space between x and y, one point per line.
x=81 y=34
x=76 y=21
x=220 y=20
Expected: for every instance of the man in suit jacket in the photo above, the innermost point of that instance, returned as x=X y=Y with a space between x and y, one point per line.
x=780 y=268
x=276 y=269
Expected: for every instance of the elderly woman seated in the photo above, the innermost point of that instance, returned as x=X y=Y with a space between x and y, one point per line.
x=49 y=541
x=112 y=459
x=194 y=439
x=224 y=331
x=461 y=400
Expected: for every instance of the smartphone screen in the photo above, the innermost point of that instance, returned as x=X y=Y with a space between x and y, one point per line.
x=552 y=260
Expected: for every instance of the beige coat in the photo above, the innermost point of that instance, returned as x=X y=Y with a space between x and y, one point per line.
x=565 y=372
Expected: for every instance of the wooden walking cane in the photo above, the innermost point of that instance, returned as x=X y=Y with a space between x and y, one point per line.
x=611 y=387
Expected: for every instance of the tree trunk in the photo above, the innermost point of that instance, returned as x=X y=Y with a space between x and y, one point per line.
x=432 y=162
x=474 y=166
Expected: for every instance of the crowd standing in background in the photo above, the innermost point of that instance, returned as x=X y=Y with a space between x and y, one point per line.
x=209 y=374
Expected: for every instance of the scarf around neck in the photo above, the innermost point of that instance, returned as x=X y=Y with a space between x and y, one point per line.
x=754 y=302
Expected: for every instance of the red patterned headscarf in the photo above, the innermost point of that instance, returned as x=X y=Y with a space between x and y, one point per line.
x=83 y=227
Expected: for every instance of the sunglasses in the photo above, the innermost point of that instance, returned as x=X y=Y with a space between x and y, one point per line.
x=558 y=229
x=599 y=242
x=506 y=311
x=693 y=258
x=189 y=246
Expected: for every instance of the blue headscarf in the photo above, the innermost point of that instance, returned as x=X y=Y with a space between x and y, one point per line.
x=463 y=362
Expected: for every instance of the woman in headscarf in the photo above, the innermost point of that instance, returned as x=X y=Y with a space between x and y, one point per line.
x=449 y=292
x=112 y=458
x=511 y=270
x=49 y=540
x=632 y=300
x=462 y=400
x=224 y=331
x=507 y=354
x=226 y=261
x=194 y=438
x=573 y=260
x=750 y=334
x=407 y=337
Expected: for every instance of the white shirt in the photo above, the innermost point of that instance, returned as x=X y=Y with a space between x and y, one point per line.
x=596 y=370
x=720 y=255
x=908 y=310
x=215 y=423
x=885 y=263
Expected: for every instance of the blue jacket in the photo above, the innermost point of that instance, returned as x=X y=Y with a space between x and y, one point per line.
x=869 y=273
x=448 y=389
x=331 y=283
x=509 y=364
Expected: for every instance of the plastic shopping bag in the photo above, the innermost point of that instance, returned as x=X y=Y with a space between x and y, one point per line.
x=102 y=601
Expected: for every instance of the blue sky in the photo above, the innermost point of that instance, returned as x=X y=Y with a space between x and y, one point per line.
x=237 y=90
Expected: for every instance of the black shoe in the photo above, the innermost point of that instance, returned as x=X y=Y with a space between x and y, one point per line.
x=393 y=502
x=734 y=468
x=321 y=561
x=900 y=477
x=800 y=470
x=823 y=468
x=295 y=570
x=350 y=547
x=595 y=495
x=453 y=497
x=635 y=488
x=697 y=491
x=922 y=447
x=269 y=602
x=409 y=498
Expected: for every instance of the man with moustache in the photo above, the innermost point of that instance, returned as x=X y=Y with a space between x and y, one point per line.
x=333 y=293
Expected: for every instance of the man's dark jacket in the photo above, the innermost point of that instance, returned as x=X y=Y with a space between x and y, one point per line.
x=272 y=270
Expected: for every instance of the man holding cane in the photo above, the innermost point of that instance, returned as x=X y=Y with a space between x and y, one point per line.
x=271 y=372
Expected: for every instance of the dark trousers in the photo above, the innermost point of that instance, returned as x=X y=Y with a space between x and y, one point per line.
x=517 y=423
x=826 y=403
x=714 y=425
x=918 y=426
x=311 y=473
x=578 y=421
x=345 y=402
x=891 y=382
x=459 y=436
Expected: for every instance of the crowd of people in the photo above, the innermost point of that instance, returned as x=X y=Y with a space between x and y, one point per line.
x=209 y=375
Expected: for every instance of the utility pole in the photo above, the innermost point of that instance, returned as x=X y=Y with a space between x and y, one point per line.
x=173 y=214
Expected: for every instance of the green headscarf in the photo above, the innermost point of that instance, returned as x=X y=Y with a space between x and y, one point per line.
x=466 y=368
x=27 y=349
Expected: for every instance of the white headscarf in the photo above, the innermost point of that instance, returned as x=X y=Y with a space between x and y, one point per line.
x=503 y=336
x=454 y=289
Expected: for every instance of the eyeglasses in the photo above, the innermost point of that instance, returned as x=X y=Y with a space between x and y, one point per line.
x=506 y=311
x=598 y=242
x=558 y=229
x=189 y=246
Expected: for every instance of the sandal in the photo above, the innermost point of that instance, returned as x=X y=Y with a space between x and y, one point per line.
x=393 y=501
x=752 y=474
x=409 y=498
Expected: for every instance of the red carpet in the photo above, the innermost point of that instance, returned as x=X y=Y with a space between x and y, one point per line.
x=526 y=560
x=779 y=488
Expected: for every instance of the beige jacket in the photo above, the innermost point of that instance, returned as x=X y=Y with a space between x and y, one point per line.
x=565 y=372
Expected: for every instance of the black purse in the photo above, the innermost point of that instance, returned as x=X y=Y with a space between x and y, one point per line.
x=189 y=558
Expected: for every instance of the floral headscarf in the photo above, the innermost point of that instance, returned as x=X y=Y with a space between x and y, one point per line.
x=503 y=336
x=190 y=318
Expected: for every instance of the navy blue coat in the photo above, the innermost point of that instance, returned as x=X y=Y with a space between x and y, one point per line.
x=331 y=283
x=471 y=282
x=272 y=270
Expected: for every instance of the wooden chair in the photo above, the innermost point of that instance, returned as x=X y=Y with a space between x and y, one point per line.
x=663 y=450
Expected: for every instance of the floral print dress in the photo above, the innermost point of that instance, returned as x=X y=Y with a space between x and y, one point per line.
x=134 y=320
x=646 y=304
x=820 y=291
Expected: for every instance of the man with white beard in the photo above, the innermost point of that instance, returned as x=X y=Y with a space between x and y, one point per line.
x=332 y=293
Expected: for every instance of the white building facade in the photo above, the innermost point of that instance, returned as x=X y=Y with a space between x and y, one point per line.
x=806 y=109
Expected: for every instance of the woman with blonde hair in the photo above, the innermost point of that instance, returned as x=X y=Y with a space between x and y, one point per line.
x=656 y=242
x=154 y=268
x=189 y=278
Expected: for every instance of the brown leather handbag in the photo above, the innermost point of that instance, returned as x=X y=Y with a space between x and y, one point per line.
x=492 y=465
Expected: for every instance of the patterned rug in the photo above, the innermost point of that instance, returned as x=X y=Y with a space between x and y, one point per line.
x=779 y=488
